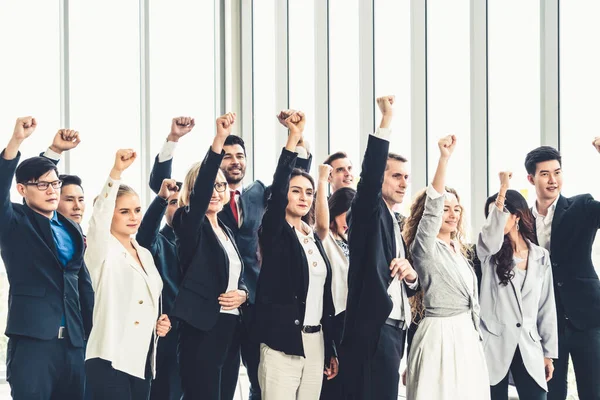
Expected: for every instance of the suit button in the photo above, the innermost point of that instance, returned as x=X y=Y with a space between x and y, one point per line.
x=296 y=322
x=110 y=184
x=310 y=251
x=136 y=323
x=105 y=195
x=559 y=284
x=554 y=264
x=141 y=301
x=518 y=325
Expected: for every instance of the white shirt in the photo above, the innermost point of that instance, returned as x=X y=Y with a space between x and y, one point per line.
x=167 y=151
x=235 y=266
x=317 y=274
x=339 y=272
x=543 y=224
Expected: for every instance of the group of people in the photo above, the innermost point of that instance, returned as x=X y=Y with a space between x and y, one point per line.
x=314 y=286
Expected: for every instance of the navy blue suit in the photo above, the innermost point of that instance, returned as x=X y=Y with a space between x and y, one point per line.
x=42 y=292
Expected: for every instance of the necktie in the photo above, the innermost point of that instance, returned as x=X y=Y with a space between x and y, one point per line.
x=233 y=206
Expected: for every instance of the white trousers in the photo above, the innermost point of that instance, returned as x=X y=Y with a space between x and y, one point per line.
x=285 y=377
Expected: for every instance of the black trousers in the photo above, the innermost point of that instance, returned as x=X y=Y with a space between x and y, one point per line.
x=526 y=385
x=44 y=369
x=333 y=389
x=250 y=350
x=209 y=362
x=106 y=383
x=167 y=384
x=584 y=348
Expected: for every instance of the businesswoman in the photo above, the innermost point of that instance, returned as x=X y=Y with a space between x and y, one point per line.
x=212 y=289
x=293 y=305
x=518 y=313
x=446 y=359
x=122 y=346
x=331 y=228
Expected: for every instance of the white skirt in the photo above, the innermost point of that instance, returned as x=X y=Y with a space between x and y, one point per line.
x=446 y=361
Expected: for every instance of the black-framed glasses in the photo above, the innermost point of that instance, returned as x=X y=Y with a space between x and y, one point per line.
x=220 y=186
x=44 y=185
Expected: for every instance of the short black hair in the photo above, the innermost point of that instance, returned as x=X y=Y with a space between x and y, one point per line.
x=335 y=156
x=70 y=180
x=340 y=201
x=396 y=157
x=34 y=167
x=233 y=140
x=541 y=154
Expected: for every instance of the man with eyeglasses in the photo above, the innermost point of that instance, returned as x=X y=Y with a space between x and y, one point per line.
x=43 y=255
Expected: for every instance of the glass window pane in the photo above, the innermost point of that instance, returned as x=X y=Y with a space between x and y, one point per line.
x=448 y=91
x=393 y=73
x=514 y=89
x=105 y=90
x=182 y=77
x=344 y=107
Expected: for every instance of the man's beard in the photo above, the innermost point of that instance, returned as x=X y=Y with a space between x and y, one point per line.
x=234 y=179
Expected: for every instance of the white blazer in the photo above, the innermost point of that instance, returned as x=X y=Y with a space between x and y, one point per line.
x=127 y=298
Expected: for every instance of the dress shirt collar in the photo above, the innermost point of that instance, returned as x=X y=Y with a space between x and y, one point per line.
x=551 y=209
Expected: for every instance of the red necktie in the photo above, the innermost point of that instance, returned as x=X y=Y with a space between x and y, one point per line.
x=233 y=206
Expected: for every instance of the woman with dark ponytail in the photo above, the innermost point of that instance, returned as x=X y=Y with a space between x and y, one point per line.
x=518 y=314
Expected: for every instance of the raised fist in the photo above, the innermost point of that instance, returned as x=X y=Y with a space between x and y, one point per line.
x=224 y=124
x=295 y=122
x=447 y=145
x=324 y=172
x=180 y=127
x=124 y=158
x=285 y=114
x=385 y=104
x=65 y=139
x=596 y=143
x=24 y=127
x=168 y=188
x=505 y=177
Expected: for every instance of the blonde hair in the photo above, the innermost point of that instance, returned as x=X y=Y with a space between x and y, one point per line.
x=190 y=180
x=124 y=189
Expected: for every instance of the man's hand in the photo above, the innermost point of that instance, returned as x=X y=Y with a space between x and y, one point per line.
x=401 y=268
x=225 y=124
x=447 y=145
x=163 y=325
x=332 y=370
x=385 y=104
x=180 y=127
x=24 y=127
x=295 y=123
x=324 y=172
x=505 y=177
x=168 y=188
x=232 y=299
x=596 y=143
x=65 y=139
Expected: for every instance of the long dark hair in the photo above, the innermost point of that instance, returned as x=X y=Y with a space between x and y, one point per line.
x=516 y=204
x=309 y=218
x=339 y=202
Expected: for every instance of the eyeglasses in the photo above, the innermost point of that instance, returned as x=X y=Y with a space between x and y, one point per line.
x=220 y=186
x=44 y=185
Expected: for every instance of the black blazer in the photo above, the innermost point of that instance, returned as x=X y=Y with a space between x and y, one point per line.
x=203 y=260
x=41 y=289
x=576 y=285
x=372 y=248
x=283 y=281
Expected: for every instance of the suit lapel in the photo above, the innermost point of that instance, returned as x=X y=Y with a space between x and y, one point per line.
x=42 y=224
x=531 y=279
x=76 y=236
x=146 y=263
x=561 y=206
x=226 y=216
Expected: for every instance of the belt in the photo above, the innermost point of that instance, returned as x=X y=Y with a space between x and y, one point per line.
x=62 y=332
x=396 y=323
x=311 y=329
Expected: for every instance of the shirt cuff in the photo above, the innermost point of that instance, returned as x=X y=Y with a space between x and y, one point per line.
x=166 y=153
x=383 y=133
x=52 y=154
x=414 y=285
x=302 y=152
x=432 y=193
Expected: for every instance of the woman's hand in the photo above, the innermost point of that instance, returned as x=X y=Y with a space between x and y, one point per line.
x=123 y=160
x=163 y=325
x=332 y=371
x=232 y=299
x=549 y=368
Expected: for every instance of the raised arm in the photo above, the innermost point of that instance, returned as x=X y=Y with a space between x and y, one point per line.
x=304 y=159
x=322 y=207
x=150 y=226
x=431 y=221
x=368 y=192
x=163 y=162
x=491 y=237
x=64 y=140
x=99 y=234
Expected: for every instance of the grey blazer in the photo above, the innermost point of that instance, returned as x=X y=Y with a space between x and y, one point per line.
x=512 y=317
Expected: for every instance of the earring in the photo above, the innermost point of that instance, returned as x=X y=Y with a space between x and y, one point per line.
x=517 y=226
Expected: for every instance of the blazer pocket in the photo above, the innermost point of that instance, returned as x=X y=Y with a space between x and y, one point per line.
x=198 y=288
x=535 y=336
x=494 y=327
x=28 y=291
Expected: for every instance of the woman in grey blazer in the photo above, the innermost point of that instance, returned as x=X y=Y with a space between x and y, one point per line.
x=518 y=313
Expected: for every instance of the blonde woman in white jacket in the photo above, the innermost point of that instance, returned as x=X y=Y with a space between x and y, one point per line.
x=122 y=346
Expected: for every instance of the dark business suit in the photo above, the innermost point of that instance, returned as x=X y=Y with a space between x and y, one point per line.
x=577 y=290
x=161 y=243
x=372 y=248
x=208 y=340
x=42 y=291
x=282 y=288
x=252 y=203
